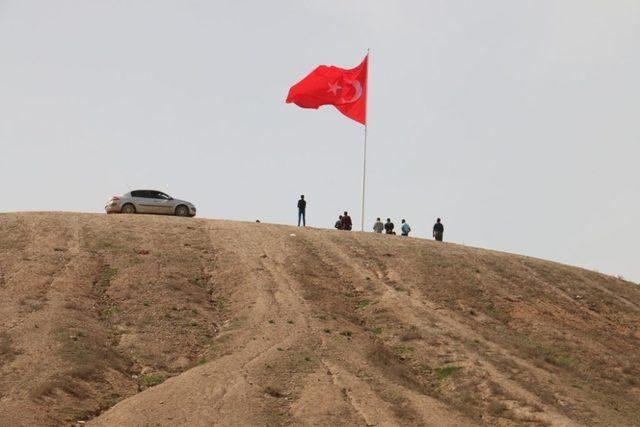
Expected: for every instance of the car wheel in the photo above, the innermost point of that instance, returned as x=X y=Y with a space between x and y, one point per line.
x=182 y=210
x=128 y=209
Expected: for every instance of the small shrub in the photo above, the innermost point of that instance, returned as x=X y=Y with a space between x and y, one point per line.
x=220 y=303
x=110 y=312
x=363 y=303
x=446 y=371
x=376 y=330
x=346 y=333
x=401 y=350
x=107 y=273
x=327 y=331
x=153 y=380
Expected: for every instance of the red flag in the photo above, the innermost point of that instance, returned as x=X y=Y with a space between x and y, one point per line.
x=328 y=85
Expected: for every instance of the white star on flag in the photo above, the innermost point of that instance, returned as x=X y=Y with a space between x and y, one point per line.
x=333 y=88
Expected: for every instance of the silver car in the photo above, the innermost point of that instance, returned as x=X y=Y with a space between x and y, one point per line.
x=149 y=201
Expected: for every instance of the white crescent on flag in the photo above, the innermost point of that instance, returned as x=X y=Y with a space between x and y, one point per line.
x=358 y=87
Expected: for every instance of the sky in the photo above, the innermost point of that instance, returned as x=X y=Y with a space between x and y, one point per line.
x=516 y=122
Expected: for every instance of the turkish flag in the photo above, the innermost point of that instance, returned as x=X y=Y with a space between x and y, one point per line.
x=328 y=85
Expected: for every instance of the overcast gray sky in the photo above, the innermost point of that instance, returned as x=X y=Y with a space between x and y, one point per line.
x=517 y=122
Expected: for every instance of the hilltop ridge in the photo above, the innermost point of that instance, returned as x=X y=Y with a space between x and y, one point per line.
x=150 y=320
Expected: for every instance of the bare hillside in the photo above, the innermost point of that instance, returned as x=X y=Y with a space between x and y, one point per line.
x=147 y=320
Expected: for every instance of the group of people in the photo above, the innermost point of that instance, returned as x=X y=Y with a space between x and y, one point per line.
x=389 y=226
x=344 y=223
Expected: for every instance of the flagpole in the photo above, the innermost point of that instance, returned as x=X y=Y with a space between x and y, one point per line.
x=364 y=151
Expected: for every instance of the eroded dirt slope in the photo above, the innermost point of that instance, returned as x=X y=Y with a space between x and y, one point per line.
x=146 y=320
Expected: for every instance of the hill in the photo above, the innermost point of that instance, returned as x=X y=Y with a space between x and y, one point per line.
x=148 y=320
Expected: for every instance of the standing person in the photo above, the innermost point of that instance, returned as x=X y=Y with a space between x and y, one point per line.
x=302 y=207
x=346 y=221
x=338 y=224
x=405 y=228
x=388 y=227
x=438 y=230
x=378 y=226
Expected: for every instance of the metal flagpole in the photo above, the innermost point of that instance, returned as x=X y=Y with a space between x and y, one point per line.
x=364 y=173
x=364 y=151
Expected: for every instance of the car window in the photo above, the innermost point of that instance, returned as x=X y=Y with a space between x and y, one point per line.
x=163 y=196
x=146 y=194
x=137 y=193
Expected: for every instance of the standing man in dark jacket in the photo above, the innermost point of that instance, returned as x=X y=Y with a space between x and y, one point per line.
x=346 y=221
x=302 y=206
x=388 y=227
x=438 y=230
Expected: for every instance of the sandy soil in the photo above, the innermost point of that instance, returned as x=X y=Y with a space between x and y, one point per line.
x=148 y=320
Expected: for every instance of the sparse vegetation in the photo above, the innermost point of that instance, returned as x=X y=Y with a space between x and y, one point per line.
x=549 y=353
x=152 y=379
x=107 y=274
x=446 y=371
x=220 y=303
x=377 y=330
x=346 y=333
x=109 y=312
x=363 y=303
x=402 y=350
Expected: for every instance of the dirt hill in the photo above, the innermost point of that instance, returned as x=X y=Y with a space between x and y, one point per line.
x=147 y=320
